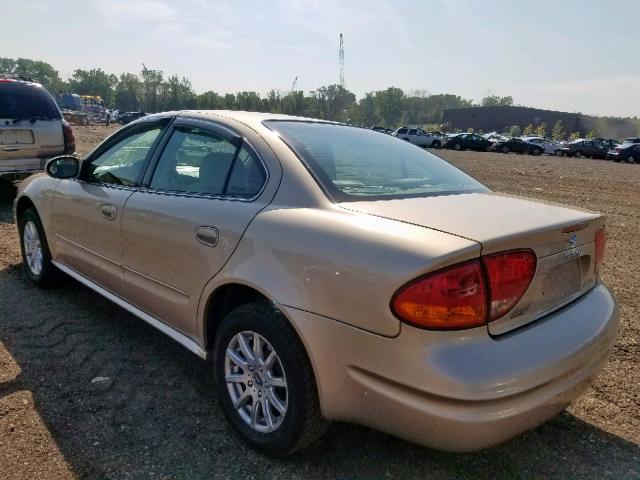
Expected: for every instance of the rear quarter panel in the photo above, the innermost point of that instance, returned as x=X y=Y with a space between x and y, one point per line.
x=335 y=263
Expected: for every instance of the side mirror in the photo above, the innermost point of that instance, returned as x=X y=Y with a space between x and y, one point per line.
x=64 y=166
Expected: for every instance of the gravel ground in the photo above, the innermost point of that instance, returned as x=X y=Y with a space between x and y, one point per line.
x=89 y=391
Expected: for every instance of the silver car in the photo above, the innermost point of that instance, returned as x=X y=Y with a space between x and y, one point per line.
x=32 y=129
x=328 y=272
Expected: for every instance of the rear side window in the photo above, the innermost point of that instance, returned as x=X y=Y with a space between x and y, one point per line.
x=402 y=131
x=24 y=101
x=203 y=162
x=353 y=163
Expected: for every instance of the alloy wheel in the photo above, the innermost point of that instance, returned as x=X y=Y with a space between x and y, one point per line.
x=256 y=381
x=32 y=248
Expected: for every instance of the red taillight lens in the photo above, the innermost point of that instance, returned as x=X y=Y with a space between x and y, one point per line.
x=601 y=247
x=467 y=295
x=449 y=299
x=69 y=139
x=509 y=275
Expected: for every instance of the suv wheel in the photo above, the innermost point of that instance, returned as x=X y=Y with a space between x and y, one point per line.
x=436 y=144
x=265 y=381
x=36 y=256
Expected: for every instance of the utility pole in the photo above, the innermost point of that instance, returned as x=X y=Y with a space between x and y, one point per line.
x=341 y=60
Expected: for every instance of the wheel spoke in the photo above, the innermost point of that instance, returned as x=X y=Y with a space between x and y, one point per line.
x=244 y=346
x=278 y=382
x=235 y=358
x=257 y=347
x=270 y=358
x=275 y=401
x=236 y=378
x=266 y=408
x=242 y=399
x=254 y=413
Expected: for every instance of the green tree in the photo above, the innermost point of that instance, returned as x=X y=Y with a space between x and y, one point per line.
x=209 y=101
x=389 y=105
x=541 y=130
x=151 y=85
x=514 y=131
x=496 y=101
x=127 y=93
x=593 y=134
x=37 y=70
x=574 y=136
x=558 y=131
x=332 y=101
x=529 y=130
x=94 y=82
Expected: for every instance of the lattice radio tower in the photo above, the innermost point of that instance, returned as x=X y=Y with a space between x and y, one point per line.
x=341 y=60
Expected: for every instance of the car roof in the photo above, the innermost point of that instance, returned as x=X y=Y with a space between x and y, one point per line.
x=252 y=119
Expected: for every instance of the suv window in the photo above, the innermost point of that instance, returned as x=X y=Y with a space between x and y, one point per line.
x=122 y=163
x=402 y=131
x=354 y=163
x=413 y=131
x=200 y=161
x=26 y=101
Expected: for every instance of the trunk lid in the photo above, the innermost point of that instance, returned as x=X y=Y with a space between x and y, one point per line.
x=30 y=139
x=561 y=237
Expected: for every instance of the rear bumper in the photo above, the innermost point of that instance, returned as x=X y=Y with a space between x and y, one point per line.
x=22 y=165
x=459 y=391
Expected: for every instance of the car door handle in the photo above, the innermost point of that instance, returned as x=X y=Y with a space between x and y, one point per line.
x=108 y=211
x=207 y=236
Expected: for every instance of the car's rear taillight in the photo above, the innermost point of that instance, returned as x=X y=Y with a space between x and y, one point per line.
x=466 y=295
x=509 y=275
x=69 y=139
x=601 y=247
x=448 y=299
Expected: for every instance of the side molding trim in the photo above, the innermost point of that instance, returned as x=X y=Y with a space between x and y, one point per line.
x=183 y=340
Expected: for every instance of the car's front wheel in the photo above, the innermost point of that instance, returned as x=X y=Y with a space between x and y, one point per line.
x=631 y=159
x=36 y=256
x=265 y=381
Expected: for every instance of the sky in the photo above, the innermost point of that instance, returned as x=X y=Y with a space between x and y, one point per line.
x=570 y=55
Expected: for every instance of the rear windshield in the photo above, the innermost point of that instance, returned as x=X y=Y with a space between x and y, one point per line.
x=23 y=101
x=353 y=163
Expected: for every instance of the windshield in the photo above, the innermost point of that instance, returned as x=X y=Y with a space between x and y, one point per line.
x=351 y=163
x=23 y=101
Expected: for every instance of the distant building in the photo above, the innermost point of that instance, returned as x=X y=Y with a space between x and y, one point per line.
x=500 y=119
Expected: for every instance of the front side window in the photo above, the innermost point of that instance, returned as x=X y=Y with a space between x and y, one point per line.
x=203 y=162
x=402 y=131
x=353 y=163
x=122 y=163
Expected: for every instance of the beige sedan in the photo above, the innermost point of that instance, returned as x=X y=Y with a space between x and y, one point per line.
x=330 y=272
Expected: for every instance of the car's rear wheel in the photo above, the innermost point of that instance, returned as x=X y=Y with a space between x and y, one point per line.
x=36 y=256
x=504 y=149
x=457 y=146
x=558 y=153
x=436 y=144
x=578 y=154
x=265 y=381
x=631 y=159
x=536 y=152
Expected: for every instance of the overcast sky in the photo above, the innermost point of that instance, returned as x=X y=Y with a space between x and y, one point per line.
x=574 y=55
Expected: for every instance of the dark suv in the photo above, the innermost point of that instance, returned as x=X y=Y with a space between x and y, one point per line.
x=468 y=141
x=32 y=129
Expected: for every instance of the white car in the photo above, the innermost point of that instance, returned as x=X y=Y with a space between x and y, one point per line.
x=419 y=137
x=551 y=147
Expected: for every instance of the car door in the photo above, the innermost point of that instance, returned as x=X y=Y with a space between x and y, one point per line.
x=87 y=211
x=180 y=229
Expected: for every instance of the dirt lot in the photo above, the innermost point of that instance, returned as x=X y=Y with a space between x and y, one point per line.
x=152 y=415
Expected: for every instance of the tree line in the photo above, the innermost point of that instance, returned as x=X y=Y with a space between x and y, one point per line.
x=151 y=90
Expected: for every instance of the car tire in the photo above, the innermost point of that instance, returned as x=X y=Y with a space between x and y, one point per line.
x=457 y=146
x=536 y=152
x=281 y=433
x=504 y=149
x=558 y=153
x=631 y=159
x=36 y=256
x=436 y=144
x=578 y=154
